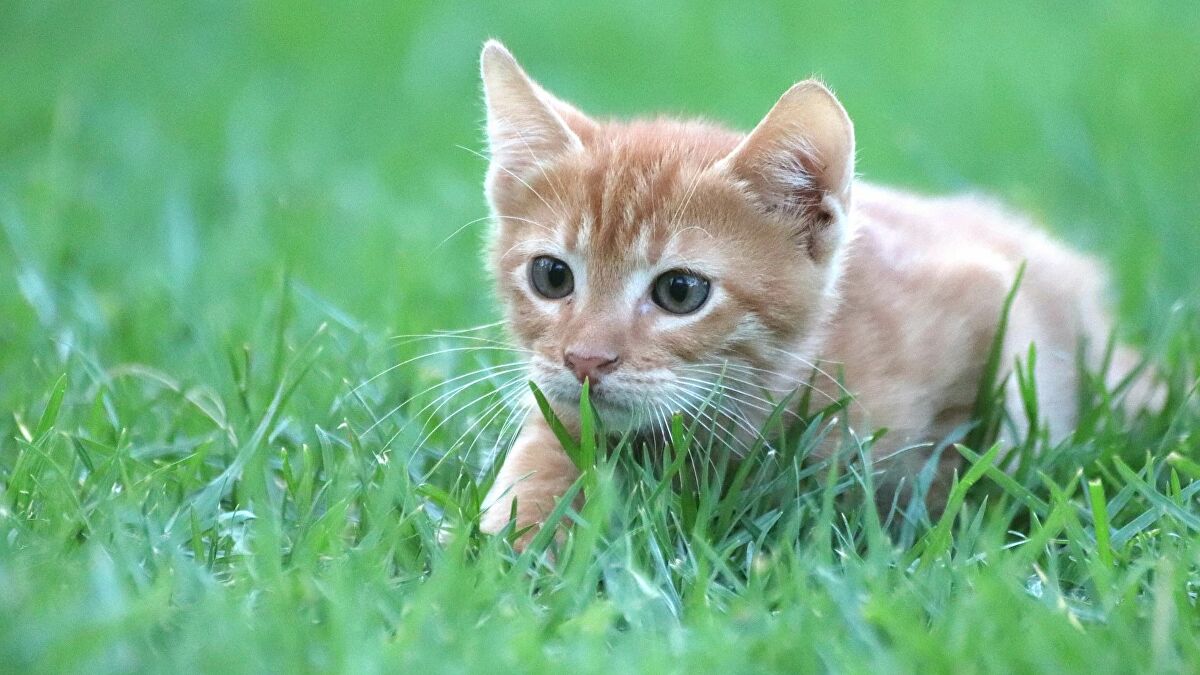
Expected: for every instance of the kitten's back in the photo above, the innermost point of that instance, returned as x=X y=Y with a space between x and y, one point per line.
x=924 y=285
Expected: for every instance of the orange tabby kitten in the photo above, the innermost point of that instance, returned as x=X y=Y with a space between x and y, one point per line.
x=663 y=259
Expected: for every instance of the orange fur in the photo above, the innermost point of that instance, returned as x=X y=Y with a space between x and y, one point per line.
x=810 y=271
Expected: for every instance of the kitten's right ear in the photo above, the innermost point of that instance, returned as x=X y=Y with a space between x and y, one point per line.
x=526 y=126
x=799 y=162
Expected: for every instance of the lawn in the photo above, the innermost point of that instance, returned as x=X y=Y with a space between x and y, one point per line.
x=219 y=452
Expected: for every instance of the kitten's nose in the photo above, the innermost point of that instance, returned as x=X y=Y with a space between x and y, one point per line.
x=588 y=364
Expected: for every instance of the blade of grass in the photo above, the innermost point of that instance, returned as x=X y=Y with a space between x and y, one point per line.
x=989 y=397
x=53 y=405
x=1100 y=521
x=569 y=444
x=937 y=541
x=1157 y=498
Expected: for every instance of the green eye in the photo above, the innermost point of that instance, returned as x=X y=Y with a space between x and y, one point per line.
x=551 y=277
x=680 y=292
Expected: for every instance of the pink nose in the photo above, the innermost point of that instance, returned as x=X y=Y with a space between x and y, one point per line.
x=590 y=365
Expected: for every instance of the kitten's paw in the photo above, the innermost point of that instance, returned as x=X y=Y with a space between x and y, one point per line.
x=525 y=532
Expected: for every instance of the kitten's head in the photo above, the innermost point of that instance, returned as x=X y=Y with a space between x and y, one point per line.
x=658 y=257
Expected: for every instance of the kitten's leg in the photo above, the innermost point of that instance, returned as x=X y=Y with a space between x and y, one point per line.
x=1055 y=376
x=535 y=473
x=1146 y=391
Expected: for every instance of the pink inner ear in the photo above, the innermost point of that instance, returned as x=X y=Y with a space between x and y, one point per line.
x=788 y=180
x=793 y=180
x=801 y=153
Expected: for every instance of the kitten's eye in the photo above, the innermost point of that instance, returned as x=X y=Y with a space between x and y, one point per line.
x=680 y=292
x=551 y=277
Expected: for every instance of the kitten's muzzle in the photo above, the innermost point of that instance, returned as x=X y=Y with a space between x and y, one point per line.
x=589 y=364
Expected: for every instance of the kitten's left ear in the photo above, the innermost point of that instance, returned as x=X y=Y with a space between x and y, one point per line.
x=799 y=161
x=526 y=125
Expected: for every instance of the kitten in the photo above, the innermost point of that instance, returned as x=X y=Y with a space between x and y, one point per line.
x=663 y=259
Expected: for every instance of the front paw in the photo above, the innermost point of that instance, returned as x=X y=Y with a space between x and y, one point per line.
x=499 y=518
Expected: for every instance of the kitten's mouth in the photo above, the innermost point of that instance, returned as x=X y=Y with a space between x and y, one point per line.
x=610 y=403
x=600 y=396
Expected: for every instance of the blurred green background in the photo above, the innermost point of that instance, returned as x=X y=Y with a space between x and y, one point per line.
x=163 y=164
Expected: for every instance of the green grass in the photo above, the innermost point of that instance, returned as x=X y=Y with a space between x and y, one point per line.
x=214 y=216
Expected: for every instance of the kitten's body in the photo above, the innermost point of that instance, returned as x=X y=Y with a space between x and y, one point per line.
x=812 y=273
x=920 y=299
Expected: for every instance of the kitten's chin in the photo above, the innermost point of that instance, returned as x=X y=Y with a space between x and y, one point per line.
x=621 y=420
x=618 y=413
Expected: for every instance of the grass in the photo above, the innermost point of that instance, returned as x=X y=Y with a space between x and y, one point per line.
x=213 y=218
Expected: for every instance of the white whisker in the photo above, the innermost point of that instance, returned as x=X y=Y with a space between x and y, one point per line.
x=493 y=344
x=699 y=411
x=736 y=416
x=535 y=223
x=487 y=373
x=687 y=198
x=460 y=229
x=662 y=419
x=512 y=403
x=507 y=393
x=809 y=364
x=472 y=329
x=489 y=217
x=518 y=413
x=539 y=162
x=518 y=178
x=449 y=350
x=720 y=370
x=767 y=406
x=426 y=435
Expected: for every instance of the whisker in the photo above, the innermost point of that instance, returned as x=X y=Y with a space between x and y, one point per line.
x=426 y=435
x=735 y=416
x=493 y=344
x=768 y=407
x=736 y=413
x=723 y=376
x=805 y=359
x=734 y=395
x=724 y=369
x=709 y=432
x=516 y=424
x=488 y=414
x=540 y=163
x=449 y=350
x=549 y=230
x=661 y=419
x=472 y=329
x=516 y=411
x=511 y=404
x=809 y=364
x=748 y=371
x=487 y=373
x=744 y=369
x=702 y=388
x=671 y=407
x=687 y=198
x=460 y=229
x=501 y=216
x=505 y=170
x=700 y=412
